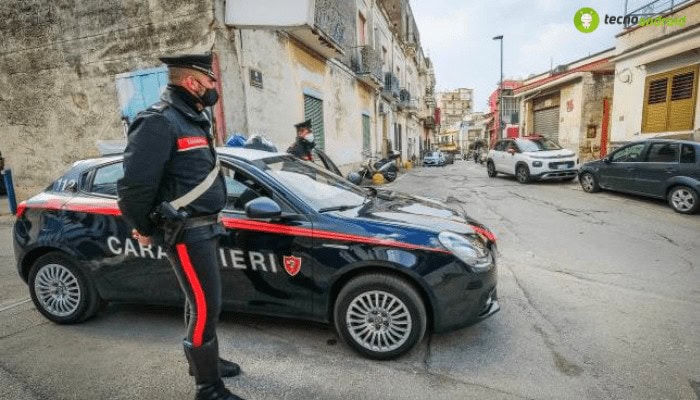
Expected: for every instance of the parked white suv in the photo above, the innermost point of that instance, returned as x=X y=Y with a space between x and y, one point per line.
x=532 y=158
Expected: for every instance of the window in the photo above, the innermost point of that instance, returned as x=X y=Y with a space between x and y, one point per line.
x=313 y=110
x=663 y=153
x=366 y=134
x=629 y=154
x=669 y=101
x=361 y=29
x=105 y=180
x=688 y=154
x=241 y=188
x=501 y=146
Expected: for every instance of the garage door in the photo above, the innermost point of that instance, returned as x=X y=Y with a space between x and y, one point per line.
x=547 y=123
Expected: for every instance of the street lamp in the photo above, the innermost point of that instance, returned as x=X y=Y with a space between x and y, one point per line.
x=500 y=92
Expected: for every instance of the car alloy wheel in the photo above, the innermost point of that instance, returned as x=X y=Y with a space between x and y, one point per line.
x=683 y=200
x=378 y=321
x=491 y=169
x=522 y=174
x=60 y=291
x=57 y=290
x=589 y=183
x=381 y=316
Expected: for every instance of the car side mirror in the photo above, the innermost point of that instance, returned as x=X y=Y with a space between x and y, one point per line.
x=606 y=160
x=262 y=208
x=511 y=151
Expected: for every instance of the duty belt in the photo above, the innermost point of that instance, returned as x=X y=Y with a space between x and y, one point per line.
x=201 y=221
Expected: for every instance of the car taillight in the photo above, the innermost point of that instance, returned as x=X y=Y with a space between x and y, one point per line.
x=490 y=236
x=21 y=208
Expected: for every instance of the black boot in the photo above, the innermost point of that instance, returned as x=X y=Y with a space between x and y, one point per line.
x=227 y=369
x=204 y=362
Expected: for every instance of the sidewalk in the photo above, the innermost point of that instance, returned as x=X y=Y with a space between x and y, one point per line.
x=5 y=216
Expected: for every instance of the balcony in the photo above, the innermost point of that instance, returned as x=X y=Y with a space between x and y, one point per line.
x=391 y=91
x=368 y=66
x=324 y=26
x=429 y=122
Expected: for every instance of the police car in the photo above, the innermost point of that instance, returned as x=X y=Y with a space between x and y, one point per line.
x=301 y=242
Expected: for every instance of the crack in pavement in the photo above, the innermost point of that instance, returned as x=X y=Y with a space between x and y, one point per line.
x=24 y=330
x=593 y=219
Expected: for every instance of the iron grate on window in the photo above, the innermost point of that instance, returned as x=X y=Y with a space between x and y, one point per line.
x=657 y=91
x=682 y=86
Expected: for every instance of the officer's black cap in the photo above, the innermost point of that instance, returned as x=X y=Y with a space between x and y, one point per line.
x=301 y=125
x=197 y=62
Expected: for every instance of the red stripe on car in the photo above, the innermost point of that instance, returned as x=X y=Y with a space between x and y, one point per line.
x=199 y=300
x=320 y=234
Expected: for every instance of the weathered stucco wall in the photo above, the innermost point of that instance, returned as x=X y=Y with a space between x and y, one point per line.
x=570 y=112
x=57 y=66
x=596 y=88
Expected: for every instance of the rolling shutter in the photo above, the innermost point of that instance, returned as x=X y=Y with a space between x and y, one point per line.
x=313 y=110
x=547 y=123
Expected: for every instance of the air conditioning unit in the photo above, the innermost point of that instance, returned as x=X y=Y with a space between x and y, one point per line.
x=560 y=69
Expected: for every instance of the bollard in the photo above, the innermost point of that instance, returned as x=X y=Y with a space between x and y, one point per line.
x=9 y=187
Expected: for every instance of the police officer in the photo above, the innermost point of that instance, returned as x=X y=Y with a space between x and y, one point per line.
x=170 y=151
x=301 y=148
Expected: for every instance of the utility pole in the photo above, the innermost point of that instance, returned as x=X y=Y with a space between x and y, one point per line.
x=500 y=92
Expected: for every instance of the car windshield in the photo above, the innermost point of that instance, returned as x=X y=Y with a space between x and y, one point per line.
x=537 y=145
x=320 y=189
x=434 y=154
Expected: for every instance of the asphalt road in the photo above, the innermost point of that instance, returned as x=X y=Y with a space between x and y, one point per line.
x=600 y=297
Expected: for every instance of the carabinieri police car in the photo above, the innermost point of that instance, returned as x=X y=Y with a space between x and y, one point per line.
x=301 y=242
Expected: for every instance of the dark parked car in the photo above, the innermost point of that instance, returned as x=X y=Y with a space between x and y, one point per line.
x=665 y=169
x=301 y=242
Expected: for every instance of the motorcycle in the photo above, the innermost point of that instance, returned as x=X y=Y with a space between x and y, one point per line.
x=385 y=166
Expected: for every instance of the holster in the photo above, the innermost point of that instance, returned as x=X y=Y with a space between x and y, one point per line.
x=171 y=221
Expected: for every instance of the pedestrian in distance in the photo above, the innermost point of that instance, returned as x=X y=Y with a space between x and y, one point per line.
x=304 y=142
x=171 y=193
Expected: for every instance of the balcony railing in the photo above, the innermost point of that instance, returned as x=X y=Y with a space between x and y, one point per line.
x=391 y=86
x=649 y=9
x=367 y=64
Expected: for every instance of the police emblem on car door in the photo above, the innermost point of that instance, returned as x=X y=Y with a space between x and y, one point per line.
x=265 y=264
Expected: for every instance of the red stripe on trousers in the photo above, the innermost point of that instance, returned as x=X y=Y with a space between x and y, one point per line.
x=199 y=300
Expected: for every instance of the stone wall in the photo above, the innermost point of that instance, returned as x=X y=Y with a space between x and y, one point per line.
x=57 y=66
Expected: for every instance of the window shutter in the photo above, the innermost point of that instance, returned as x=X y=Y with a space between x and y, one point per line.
x=682 y=106
x=313 y=110
x=655 y=104
x=365 y=133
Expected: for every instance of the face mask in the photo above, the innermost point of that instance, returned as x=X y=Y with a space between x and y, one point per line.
x=209 y=98
x=309 y=137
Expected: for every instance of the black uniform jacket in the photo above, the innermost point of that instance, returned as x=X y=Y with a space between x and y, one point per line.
x=301 y=149
x=169 y=152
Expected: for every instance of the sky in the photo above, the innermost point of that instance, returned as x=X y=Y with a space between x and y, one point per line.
x=457 y=35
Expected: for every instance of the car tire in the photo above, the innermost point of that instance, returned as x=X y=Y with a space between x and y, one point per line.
x=61 y=291
x=589 y=183
x=380 y=316
x=683 y=200
x=522 y=174
x=491 y=169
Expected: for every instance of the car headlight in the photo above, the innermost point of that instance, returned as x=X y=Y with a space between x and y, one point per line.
x=471 y=251
x=537 y=163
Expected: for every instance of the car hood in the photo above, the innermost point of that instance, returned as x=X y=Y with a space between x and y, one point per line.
x=395 y=208
x=562 y=153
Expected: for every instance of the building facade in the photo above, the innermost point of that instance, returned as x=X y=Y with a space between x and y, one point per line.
x=455 y=105
x=571 y=104
x=656 y=85
x=79 y=74
x=511 y=109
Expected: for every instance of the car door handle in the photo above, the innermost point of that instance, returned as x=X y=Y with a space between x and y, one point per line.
x=630 y=169
x=671 y=170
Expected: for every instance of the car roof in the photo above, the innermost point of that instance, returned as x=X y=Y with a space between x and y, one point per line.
x=247 y=154
x=661 y=140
